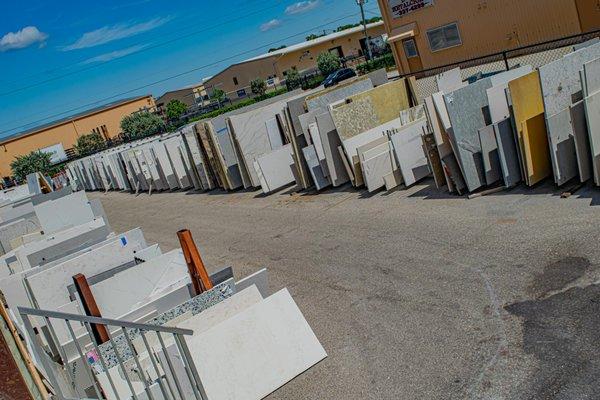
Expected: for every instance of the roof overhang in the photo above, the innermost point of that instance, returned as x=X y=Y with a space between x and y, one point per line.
x=403 y=32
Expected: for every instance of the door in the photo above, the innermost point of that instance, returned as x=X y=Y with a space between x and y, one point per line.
x=412 y=55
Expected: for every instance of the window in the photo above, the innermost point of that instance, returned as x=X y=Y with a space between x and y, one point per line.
x=241 y=93
x=444 y=37
x=410 y=48
x=235 y=81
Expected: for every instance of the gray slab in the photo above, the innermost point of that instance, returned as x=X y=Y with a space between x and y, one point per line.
x=410 y=156
x=330 y=141
x=260 y=279
x=582 y=141
x=489 y=151
x=449 y=80
x=465 y=110
x=562 y=147
x=507 y=152
x=335 y=94
x=378 y=77
x=16 y=229
x=592 y=108
x=591 y=74
x=314 y=167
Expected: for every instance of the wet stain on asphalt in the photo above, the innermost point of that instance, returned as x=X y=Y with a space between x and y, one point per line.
x=563 y=332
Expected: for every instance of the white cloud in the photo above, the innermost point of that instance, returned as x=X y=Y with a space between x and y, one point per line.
x=108 y=34
x=23 y=38
x=274 y=23
x=114 y=54
x=302 y=7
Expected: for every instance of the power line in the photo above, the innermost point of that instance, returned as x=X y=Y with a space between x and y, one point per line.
x=178 y=74
x=147 y=48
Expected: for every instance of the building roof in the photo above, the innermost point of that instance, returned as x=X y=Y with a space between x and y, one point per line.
x=303 y=45
x=72 y=118
x=310 y=43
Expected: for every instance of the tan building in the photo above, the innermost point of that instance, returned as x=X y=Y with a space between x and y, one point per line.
x=192 y=95
x=272 y=67
x=429 y=33
x=60 y=136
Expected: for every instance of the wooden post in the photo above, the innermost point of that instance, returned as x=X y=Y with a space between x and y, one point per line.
x=191 y=271
x=90 y=307
x=195 y=261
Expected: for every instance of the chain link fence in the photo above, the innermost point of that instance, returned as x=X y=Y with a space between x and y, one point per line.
x=534 y=55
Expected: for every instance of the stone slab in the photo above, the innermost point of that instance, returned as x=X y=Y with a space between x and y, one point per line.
x=276 y=168
x=314 y=167
x=562 y=146
x=489 y=151
x=322 y=99
x=260 y=279
x=448 y=81
x=507 y=152
x=582 y=141
x=330 y=141
x=532 y=137
x=592 y=107
x=377 y=165
x=256 y=351
x=465 y=110
x=410 y=156
x=591 y=75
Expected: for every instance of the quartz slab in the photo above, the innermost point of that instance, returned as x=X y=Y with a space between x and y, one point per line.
x=408 y=148
x=507 y=152
x=260 y=279
x=377 y=166
x=323 y=98
x=16 y=229
x=449 y=80
x=330 y=141
x=592 y=107
x=137 y=285
x=48 y=288
x=591 y=76
x=274 y=133
x=562 y=146
x=529 y=120
x=489 y=151
x=256 y=351
x=582 y=141
x=465 y=107
x=65 y=212
x=314 y=167
x=364 y=111
x=276 y=168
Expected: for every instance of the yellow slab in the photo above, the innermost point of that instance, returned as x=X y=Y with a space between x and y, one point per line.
x=369 y=109
x=528 y=109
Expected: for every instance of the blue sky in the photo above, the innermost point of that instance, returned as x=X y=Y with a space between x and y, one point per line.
x=59 y=58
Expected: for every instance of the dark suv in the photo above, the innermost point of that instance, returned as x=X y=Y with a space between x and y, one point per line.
x=338 y=76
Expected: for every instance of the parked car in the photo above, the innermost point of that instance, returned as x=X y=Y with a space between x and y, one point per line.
x=338 y=76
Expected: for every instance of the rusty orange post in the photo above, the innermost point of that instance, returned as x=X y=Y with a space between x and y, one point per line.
x=90 y=307
x=195 y=265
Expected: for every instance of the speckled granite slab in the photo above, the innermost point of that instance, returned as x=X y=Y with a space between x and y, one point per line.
x=195 y=306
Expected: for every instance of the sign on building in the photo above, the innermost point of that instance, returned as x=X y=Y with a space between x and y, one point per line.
x=57 y=152
x=400 y=8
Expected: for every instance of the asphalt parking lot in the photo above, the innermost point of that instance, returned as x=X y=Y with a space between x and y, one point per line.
x=415 y=294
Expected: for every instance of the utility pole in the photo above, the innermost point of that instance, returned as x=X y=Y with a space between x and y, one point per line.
x=361 y=4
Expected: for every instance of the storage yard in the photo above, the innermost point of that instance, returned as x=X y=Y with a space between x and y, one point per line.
x=360 y=241
x=413 y=294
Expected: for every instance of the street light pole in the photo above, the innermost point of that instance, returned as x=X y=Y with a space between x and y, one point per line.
x=361 y=4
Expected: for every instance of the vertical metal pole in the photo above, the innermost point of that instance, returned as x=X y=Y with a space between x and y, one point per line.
x=186 y=354
x=170 y=365
x=138 y=364
x=120 y=361
x=188 y=371
x=101 y=357
x=505 y=60
x=85 y=365
x=361 y=4
x=155 y=366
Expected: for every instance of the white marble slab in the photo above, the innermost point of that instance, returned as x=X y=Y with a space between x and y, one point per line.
x=256 y=351
x=449 y=80
x=592 y=107
x=379 y=164
x=408 y=147
x=276 y=168
x=582 y=141
x=65 y=212
x=260 y=279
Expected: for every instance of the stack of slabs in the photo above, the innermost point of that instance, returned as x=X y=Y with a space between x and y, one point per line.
x=561 y=89
x=590 y=77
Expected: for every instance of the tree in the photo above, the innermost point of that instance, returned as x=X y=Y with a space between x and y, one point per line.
x=328 y=63
x=272 y=49
x=293 y=80
x=258 y=87
x=141 y=124
x=89 y=144
x=218 y=95
x=36 y=161
x=175 y=109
